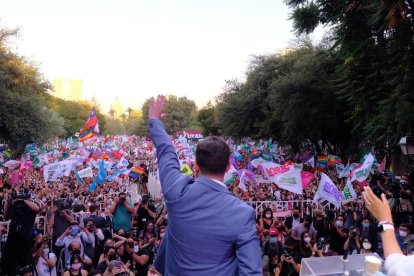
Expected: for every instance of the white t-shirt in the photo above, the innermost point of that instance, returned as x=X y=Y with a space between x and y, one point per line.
x=399 y=265
x=43 y=269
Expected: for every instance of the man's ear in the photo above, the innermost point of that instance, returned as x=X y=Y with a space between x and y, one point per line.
x=228 y=166
x=196 y=169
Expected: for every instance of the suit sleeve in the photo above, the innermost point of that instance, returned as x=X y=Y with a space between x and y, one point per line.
x=168 y=165
x=248 y=249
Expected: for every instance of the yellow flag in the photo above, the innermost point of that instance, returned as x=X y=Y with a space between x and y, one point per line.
x=186 y=169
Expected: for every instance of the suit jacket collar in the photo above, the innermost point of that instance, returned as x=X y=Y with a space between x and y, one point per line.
x=212 y=184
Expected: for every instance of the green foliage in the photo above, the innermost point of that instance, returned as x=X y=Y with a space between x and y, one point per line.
x=114 y=126
x=374 y=41
x=23 y=118
x=288 y=97
x=208 y=120
x=181 y=114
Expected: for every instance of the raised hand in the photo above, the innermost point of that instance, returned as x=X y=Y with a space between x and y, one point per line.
x=379 y=208
x=156 y=108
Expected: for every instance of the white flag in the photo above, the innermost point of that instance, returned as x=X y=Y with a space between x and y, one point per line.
x=327 y=190
x=311 y=162
x=58 y=169
x=349 y=193
x=290 y=181
x=87 y=172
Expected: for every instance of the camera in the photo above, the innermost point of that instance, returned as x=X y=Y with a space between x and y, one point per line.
x=321 y=244
x=135 y=232
x=353 y=234
x=288 y=256
x=22 y=195
x=122 y=200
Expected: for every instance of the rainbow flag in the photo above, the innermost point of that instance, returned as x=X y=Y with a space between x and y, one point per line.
x=322 y=161
x=91 y=128
x=136 y=171
x=333 y=159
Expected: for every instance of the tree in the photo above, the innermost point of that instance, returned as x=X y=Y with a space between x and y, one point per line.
x=374 y=42
x=114 y=126
x=181 y=114
x=23 y=118
x=288 y=97
x=208 y=120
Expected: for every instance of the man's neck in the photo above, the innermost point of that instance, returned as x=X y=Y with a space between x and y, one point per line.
x=219 y=178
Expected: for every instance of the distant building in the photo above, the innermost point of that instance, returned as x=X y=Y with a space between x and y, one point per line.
x=70 y=90
x=116 y=109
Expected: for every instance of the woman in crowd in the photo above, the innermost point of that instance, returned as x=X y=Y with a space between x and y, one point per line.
x=366 y=246
x=75 y=267
x=305 y=246
x=266 y=222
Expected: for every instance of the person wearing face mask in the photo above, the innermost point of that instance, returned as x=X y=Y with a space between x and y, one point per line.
x=289 y=260
x=305 y=246
x=271 y=251
x=75 y=267
x=109 y=255
x=366 y=246
x=94 y=249
x=44 y=261
x=338 y=234
x=139 y=257
x=266 y=221
x=292 y=222
x=367 y=229
x=149 y=237
x=405 y=239
x=77 y=234
x=305 y=226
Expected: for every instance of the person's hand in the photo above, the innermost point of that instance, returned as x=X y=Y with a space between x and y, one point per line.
x=290 y=260
x=67 y=232
x=379 y=208
x=156 y=108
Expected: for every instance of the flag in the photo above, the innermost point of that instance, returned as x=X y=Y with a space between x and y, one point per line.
x=12 y=164
x=383 y=163
x=230 y=175
x=40 y=160
x=136 y=171
x=322 y=161
x=327 y=190
x=101 y=173
x=186 y=169
x=333 y=159
x=58 y=169
x=346 y=171
x=91 y=127
x=26 y=165
x=93 y=185
x=290 y=181
x=87 y=172
x=237 y=155
x=271 y=169
x=245 y=176
x=78 y=178
x=339 y=168
x=349 y=193
x=306 y=178
x=311 y=162
x=362 y=173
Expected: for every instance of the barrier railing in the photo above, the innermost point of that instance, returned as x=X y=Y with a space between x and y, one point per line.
x=283 y=209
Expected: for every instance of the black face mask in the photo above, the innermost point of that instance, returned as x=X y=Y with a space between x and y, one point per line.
x=112 y=256
x=296 y=216
x=75 y=252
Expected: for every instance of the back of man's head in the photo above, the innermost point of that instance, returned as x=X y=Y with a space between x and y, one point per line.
x=212 y=155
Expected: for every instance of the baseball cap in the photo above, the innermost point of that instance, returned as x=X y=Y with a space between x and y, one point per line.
x=273 y=231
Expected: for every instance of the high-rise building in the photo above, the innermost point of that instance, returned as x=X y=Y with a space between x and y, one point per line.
x=70 y=90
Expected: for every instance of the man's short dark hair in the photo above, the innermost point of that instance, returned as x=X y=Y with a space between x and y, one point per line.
x=212 y=155
x=93 y=208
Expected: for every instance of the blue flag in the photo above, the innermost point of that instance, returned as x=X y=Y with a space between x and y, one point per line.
x=93 y=185
x=101 y=173
x=78 y=178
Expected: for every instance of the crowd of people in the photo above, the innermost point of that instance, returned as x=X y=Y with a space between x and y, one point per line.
x=62 y=227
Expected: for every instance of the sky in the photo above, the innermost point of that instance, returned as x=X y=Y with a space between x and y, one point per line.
x=135 y=49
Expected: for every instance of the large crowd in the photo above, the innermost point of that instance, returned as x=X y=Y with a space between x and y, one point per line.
x=63 y=226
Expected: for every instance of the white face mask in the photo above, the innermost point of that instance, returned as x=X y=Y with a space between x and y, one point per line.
x=366 y=245
x=268 y=215
x=45 y=251
x=307 y=239
x=136 y=248
x=403 y=234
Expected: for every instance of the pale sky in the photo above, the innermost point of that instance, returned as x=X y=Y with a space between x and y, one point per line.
x=135 y=49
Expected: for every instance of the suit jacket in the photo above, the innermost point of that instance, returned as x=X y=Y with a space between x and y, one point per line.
x=210 y=232
x=289 y=222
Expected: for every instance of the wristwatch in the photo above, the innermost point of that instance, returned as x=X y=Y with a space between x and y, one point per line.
x=385 y=225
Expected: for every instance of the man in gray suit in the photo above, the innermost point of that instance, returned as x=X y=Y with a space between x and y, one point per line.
x=210 y=232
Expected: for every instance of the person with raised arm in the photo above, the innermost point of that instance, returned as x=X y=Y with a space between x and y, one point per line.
x=396 y=263
x=210 y=232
